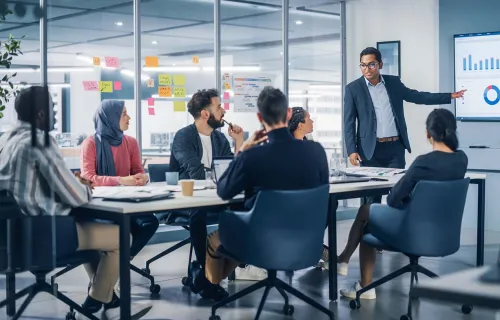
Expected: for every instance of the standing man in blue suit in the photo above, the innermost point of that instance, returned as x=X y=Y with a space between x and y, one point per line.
x=376 y=103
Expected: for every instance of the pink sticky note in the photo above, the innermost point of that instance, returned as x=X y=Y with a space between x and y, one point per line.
x=117 y=85
x=151 y=102
x=91 y=85
x=226 y=96
x=226 y=106
x=151 y=111
x=112 y=62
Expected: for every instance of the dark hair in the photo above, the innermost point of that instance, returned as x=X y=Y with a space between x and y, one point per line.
x=298 y=116
x=442 y=127
x=371 y=50
x=273 y=105
x=201 y=100
x=29 y=100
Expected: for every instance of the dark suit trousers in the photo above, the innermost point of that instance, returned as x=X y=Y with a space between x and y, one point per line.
x=386 y=155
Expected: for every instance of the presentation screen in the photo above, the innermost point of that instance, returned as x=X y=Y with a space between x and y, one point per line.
x=477 y=69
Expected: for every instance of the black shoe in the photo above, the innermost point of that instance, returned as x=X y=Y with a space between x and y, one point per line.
x=197 y=274
x=214 y=292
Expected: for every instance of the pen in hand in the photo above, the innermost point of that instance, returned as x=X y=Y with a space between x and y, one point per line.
x=229 y=124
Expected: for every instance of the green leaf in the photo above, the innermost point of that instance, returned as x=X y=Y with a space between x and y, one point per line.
x=5 y=55
x=2 y=108
x=1 y=115
x=5 y=78
x=11 y=85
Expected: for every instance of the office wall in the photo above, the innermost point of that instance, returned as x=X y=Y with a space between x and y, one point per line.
x=415 y=24
x=464 y=16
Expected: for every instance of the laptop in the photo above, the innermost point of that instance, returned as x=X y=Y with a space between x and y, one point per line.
x=348 y=179
x=493 y=275
x=220 y=165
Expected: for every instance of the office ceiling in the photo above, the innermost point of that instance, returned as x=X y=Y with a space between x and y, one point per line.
x=177 y=30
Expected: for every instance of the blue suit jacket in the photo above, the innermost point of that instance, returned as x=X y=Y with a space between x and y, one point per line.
x=358 y=107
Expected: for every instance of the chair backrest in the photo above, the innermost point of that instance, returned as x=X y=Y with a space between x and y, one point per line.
x=286 y=229
x=433 y=220
x=157 y=172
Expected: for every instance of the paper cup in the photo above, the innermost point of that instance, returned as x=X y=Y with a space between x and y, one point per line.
x=187 y=187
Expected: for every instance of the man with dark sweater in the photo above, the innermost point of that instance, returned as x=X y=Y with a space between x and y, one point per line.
x=193 y=149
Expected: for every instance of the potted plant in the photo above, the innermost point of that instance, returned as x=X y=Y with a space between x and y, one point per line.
x=8 y=49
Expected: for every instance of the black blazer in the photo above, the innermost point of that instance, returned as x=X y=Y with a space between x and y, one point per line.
x=358 y=106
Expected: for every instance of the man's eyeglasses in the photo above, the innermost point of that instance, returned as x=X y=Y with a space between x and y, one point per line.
x=370 y=65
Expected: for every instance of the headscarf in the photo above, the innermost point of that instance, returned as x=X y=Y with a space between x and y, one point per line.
x=298 y=116
x=107 y=134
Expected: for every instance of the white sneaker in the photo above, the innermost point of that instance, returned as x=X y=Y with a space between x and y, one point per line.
x=342 y=268
x=250 y=273
x=137 y=311
x=351 y=292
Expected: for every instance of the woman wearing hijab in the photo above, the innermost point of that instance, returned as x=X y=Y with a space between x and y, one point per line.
x=111 y=158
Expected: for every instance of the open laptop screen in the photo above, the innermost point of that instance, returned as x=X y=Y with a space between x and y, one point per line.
x=220 y=164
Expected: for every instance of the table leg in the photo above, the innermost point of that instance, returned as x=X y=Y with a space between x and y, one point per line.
x=481 y=188
x=125 y=268
x=10 y=289
x=332 y=248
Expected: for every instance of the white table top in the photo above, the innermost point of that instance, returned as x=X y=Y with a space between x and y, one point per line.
x=207 y=198
x=457 y=286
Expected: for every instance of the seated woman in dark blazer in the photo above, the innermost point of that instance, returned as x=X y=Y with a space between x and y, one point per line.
x=444 y=163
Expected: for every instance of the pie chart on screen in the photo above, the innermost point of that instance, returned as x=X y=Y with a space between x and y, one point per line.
x=492 y=95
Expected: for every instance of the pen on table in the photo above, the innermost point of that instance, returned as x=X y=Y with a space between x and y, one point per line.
x=479 y=147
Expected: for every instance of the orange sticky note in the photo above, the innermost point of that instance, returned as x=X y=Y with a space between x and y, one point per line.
x=196 y=59
x=164 y=91
x=97 y=61
x=227 y=86
x=152 y=61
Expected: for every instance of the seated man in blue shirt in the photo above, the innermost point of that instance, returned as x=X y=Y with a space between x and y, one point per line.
x=193 y=149
x=284 y=163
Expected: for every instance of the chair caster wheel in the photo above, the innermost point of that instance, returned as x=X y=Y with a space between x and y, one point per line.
x=146 y=270
x=214 y=317
x=405 y=317
x=154 y=288
x=186 y=281
x=70 y=316
x=466 y=309
x=354 y=304
x=288 y=310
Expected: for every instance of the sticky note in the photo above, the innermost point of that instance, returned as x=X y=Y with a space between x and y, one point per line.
x=165 y=91
x=151 y=83
x=225 y=96
x=90 y=85
x=179 y=92
x=226 y=106
x=164 y=80
x=179 y=106
x=106 y=86
x=226 y=77
x=151 y=102
x=227 y=86
x=196 y=59
x=97 y=61
x=112 y=62
x=117 y=85
x=151 y=111
x=152 y=61
x=179 y=80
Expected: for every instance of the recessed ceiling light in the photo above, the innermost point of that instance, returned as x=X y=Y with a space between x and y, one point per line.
x=298 y=22
x=154 y=42
x=119 y=23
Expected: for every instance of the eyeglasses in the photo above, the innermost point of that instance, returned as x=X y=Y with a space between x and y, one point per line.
x=370 y=66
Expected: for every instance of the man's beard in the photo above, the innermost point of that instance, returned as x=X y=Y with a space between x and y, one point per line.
x=213 y=123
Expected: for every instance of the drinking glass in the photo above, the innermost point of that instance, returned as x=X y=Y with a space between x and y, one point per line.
x=342 y=166
x=210 y=179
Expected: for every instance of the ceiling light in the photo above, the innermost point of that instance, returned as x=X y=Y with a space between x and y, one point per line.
x=173 y=69
x=299 y=22
x=154 y=42
x=119 y=23
x=234 y=68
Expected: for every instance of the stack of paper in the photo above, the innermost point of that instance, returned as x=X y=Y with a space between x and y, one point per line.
x=123 y=192
x=373 y=172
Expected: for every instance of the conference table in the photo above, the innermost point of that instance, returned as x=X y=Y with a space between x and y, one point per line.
x=121 y=212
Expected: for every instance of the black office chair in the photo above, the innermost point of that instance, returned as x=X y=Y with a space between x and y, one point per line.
x=283 y=232
x=429 y=226
x=26 y=244
x=153 y=287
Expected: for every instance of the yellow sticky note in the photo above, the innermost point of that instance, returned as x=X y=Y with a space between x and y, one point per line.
x=164 y=80
x=106 y=86
x=196 y=59
x=179 y=92
x=179 y=80
x=164 y=91
x=152 y=61
x=97 y=61
x=179 y=106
